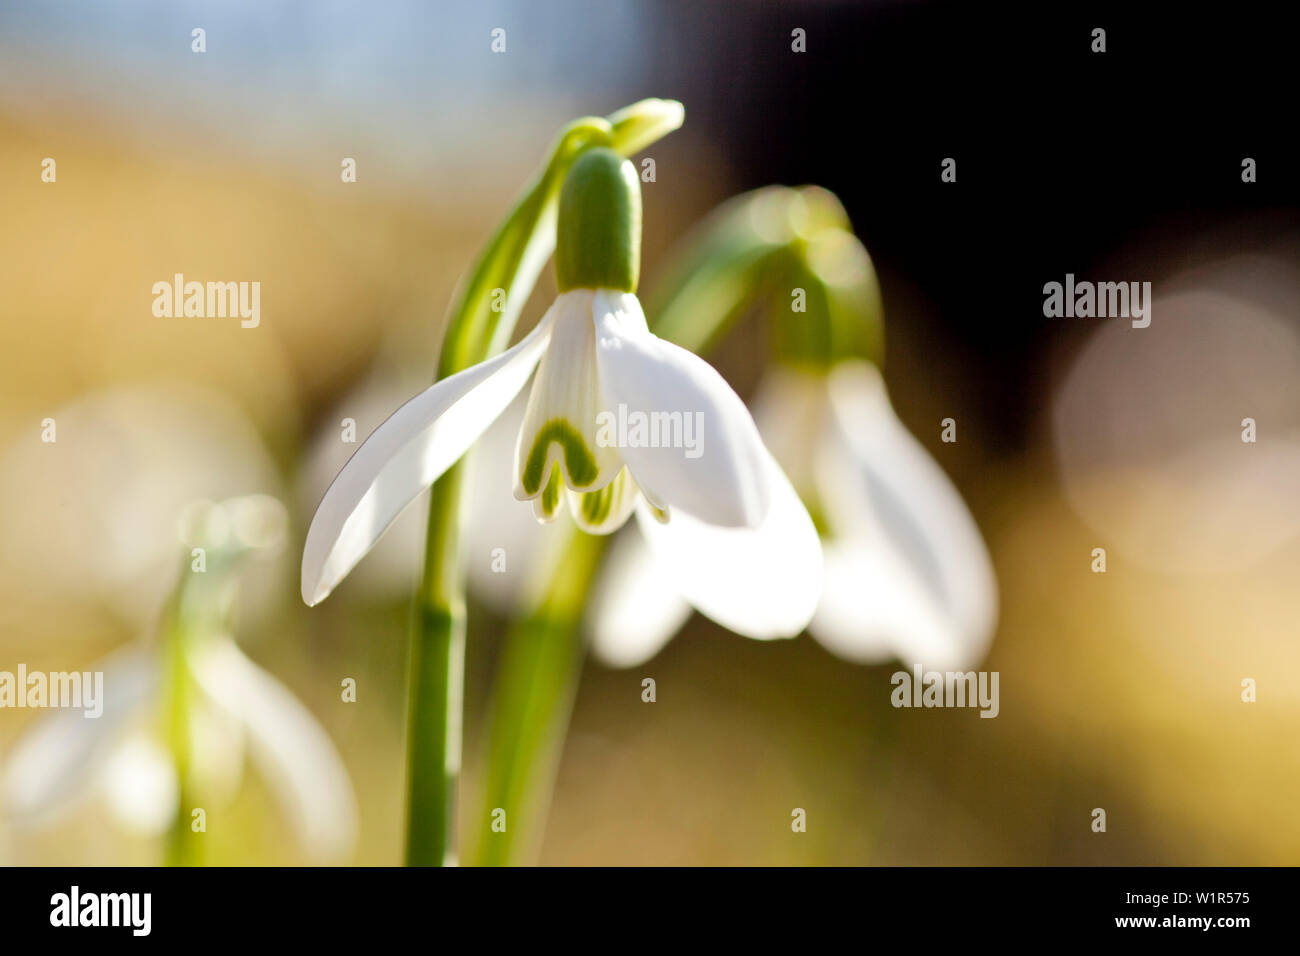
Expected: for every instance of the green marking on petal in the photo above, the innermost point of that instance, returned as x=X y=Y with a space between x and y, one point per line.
x=552 y=492
x=605 y=510
x=579 y=462
x=596 y=505
x=660 y=514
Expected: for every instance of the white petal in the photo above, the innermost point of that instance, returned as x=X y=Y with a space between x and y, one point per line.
x=50 y=768
x=636 y=608
x=764 y=582
x=140 y=784
x=508 y=553
x=874 y=607
x=218 y=743
x=912 y=567
x=292 y=750
x=561 y=419
x=792 y=408
x=405 y=455
x=713 y=465
x=392 y=567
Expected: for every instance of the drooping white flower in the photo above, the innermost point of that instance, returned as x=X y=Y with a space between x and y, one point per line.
x=65 y=758
x=723 y=501
x=907 y=574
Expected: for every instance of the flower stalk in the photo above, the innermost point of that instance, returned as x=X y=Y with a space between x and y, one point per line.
x=183 y=848
x=536 y=685
x=194 y=613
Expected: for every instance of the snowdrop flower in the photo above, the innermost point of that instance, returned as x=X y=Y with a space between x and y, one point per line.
x=907 y=574
x=742 y=545
x=64 y=759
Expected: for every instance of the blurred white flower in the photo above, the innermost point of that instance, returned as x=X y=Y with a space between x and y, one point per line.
x=57 y=763
x=63 y=759
x=907 y=574
x=291 y=750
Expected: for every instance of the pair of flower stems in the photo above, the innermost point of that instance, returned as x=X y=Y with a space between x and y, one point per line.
x=542 y=660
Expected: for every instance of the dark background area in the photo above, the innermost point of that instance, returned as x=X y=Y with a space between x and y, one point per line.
x=1063 y=155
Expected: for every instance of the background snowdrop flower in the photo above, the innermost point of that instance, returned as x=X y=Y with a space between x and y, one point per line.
x=907 y=574
x=60 y=760
x=291 y=750
x=64 y=759
x=726 y=517
x=906 y=571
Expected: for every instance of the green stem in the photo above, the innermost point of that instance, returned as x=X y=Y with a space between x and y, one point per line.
x=182 y=846
x=436 y=668
x=536 y=686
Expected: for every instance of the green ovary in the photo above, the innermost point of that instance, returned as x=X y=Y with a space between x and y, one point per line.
x=579 y=462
